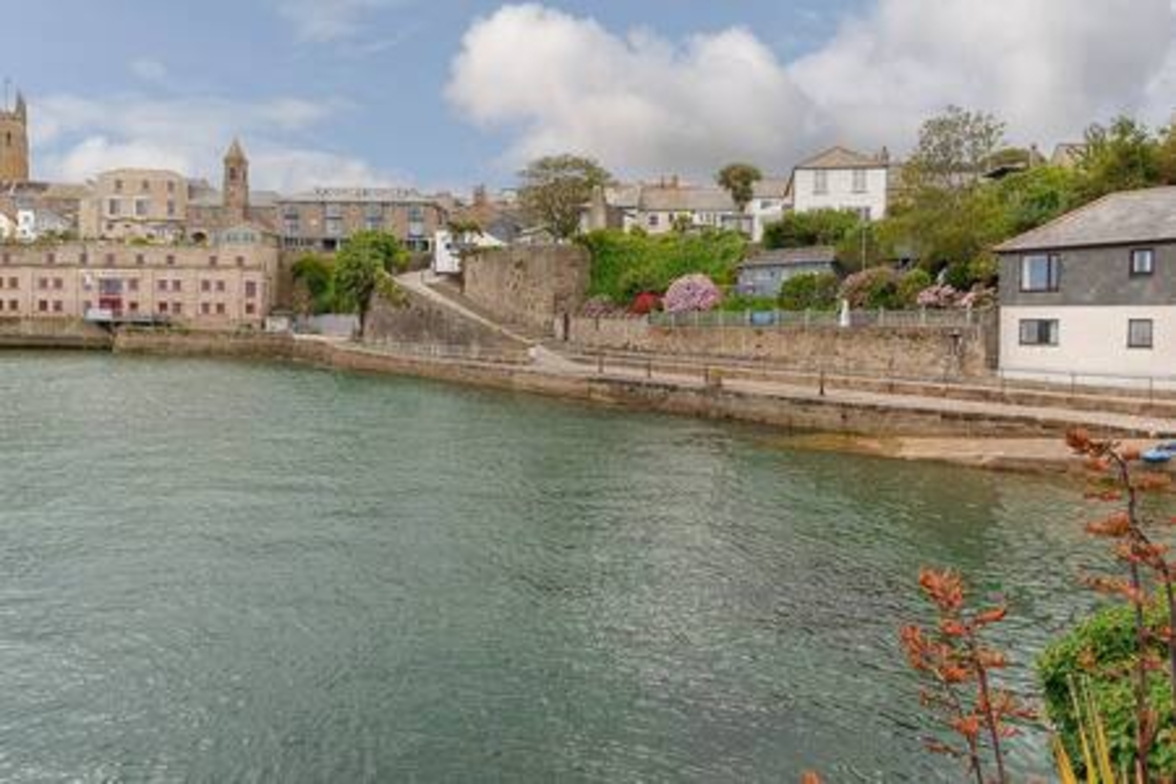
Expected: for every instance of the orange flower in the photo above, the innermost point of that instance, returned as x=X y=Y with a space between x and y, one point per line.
x=1116 y=526
x=995 y=615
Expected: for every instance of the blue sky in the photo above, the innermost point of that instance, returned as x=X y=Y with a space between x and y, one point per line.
x=449 y=93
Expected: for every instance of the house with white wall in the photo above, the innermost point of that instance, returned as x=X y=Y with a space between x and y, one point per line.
x=7 y=226
x=842 y=179
x=769 y=202
x=1091 y=296
x=448 y=249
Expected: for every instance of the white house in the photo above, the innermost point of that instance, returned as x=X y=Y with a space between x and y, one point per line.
x=842 y=179
x=662 y=207
x=1091 y=296
x=447 y=249
x=768 y=204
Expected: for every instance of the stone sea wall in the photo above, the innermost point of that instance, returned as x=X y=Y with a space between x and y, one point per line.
x=913 y=352
x=528 y=285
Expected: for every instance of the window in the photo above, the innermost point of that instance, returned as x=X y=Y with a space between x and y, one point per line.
x=50 y=258
x=212 y=261
x=250 y=289
x=1039 y=272
x=1039 y=332
x=139 y=258
x=206 y=285
x=140 y=208
x=1143 y=262
x=205 y=309
x=220 y=285
x=58 y=283
x=171 y=208
x=133 y=307
x=820 y=182
x=42 y=283
x=177 y=308
x=240 y=261
x=110 y=259
x=14 y=283
x=250 y=308
x=118 y=186
x=176 y=285
x=83 y=259
x=163 y=285
x=171 y=260
x=171 y=186
x=1139 y=333
x=43 y=305
x=653 y=220
x=334 y=227
x=133 y=284
x=859 y=181
x=58 y=306
x=112 y=207
x=13 y=304
x=163 y=307
x=220 y=308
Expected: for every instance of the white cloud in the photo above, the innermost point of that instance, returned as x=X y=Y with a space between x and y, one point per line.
x=321 y=21
x=76 y=137
x=643 y=104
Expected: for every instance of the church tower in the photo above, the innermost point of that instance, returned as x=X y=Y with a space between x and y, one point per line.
x=236 y=184
x=14 y=142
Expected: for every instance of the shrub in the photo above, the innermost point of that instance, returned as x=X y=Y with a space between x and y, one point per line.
x=626 y=264
x=959 y=276
x=912 y=285
x=692 y=293
x=815 y=291
x=744 y=302
x=1101 y=649
x=645 y=303
x=939 y=296
x=876 y=287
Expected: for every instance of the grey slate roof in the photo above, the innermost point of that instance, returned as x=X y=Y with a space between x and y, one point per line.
x=1121 y=218
x=687 y=199
x=789 y=257
x=842 y=158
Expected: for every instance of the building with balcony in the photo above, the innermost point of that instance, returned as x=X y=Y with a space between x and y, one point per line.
x=322 y=219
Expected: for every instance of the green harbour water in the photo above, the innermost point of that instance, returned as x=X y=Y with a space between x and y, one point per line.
x=215 y=571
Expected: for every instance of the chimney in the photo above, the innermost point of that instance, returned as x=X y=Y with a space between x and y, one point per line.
x=884 y=156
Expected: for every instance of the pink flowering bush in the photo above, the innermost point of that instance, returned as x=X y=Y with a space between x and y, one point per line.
x=979 y=297
x=939 y=296
x=600 y=307
x=691 y=293
x=876 y=287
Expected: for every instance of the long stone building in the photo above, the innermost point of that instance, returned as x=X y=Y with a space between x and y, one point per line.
x=228 y=283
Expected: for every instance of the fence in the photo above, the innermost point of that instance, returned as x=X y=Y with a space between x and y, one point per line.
x=786 y=319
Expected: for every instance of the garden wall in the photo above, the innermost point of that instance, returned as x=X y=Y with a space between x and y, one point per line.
x=528 y=285
x=900 y=352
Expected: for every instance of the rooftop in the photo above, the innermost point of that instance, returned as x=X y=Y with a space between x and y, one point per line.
x=842 y=158
x=358 y=195
x=686 y=199
x=790 y=257
x=1120 y=218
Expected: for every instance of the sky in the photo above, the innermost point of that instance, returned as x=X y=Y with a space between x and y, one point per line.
x=447 y=94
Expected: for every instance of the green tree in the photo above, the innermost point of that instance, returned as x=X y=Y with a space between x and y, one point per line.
x=1037 y=196
x=364 y=266
x=954 y=150
x=553 y=191
x=739 y=180
x=316 y=274
x=813 y=291
x=1123 y=156
x=805 y=229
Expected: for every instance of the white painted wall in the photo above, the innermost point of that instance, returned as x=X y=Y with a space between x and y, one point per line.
x=840 y=194
x=26 y=225
x=446 y=255
x=1092 y=340
x=7 y=228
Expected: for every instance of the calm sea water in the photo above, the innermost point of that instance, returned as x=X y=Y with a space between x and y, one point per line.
x=215 y=572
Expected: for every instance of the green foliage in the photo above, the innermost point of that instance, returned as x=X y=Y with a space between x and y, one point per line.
x=876 y=287
x=361 y=266
x=553 y=191
x=911 y=285
x=954 y=149
x=1037 y=196
x=815 y=291
x=626 y=264
x=1123 y=156
x=1102 y=650
x=739 y=180
x=317 y=274
x=806 y=229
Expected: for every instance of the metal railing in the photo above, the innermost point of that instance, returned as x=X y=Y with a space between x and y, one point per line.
x=463 y=353
x=791 y=319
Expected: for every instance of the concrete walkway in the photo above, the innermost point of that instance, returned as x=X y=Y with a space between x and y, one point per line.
x=544 y=358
